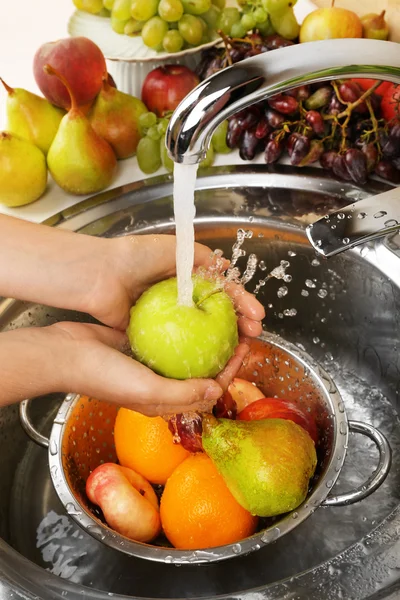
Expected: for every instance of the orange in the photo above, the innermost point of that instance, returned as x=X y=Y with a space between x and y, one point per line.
x=145 y=444
x=197 y=509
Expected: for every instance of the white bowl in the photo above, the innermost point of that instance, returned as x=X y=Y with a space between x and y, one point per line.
x=128 y=59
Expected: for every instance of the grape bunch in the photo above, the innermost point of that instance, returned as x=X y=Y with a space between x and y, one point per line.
x=174 y=25
x=337 y=123
x=151 y=152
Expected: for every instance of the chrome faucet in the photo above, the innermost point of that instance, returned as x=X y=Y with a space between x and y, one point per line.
x=260 y=77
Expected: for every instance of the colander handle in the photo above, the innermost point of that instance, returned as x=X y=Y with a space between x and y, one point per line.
x=377 y=477
x=29 y=428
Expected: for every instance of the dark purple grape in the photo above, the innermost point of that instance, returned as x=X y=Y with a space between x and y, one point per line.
x=274 y=118
x=300 y=93
x=272 y=42
x=371 y=155
x=389 y=145
x=339 y=168
x=350 y=91
x=235 y=131
x=356 y=164
x=327 y=159
x=249 y=145
x=284 y=104
x=335 y=107
x=388 y=171
x=262 y=129
x=319 y=98
x=273 y=150
x=293 y=137
x=316 y=122
x=300 y=149
x=249 y=117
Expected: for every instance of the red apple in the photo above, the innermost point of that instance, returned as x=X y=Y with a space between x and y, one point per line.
x=164 y=87
x=275 y=408
x=128 y=501
x=82 y=64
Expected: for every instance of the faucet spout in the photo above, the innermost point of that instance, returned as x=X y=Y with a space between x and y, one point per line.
x=260 y=77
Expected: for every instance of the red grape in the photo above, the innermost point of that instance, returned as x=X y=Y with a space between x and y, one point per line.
x=262 y=129
x=327 y=159
x=249 y=145
x=284 y=104
x=188 y=429
x=273 y=150
x=356 y=164
x=387 y=171
x=315 y=120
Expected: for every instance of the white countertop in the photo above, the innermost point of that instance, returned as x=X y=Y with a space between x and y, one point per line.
x=23 y=30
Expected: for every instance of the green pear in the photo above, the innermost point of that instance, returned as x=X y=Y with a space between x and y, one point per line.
x=23 y=171
x=79 y=160
x=115 y=117
x=266 y=464
x=31 y=117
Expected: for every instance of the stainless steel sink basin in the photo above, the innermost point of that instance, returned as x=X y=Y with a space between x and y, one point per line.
x=346 y=315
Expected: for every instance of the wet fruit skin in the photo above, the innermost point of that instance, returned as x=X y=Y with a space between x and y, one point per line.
x=275 y=408
x=146 y=445
x=197 y=509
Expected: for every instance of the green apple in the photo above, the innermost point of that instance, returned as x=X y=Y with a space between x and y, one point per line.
x=182 y=342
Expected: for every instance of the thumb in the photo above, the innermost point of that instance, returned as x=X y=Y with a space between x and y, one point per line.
x=97 y=368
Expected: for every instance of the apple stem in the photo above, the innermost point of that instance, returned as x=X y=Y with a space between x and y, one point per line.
x=50 y=71
x=206 y=296
x=333 y=4
x=9 y=89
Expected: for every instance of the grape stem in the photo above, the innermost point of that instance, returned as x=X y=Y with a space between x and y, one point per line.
x=350 y=106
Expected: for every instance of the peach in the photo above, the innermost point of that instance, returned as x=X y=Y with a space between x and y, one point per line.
x=82 y=64
x=244 y=392
x=128 y=501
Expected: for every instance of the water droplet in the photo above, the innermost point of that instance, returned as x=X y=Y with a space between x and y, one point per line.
x=260 y=235
x=287 y=278
x=53 y=447
x=341 y=406
x=295 y=515
x=343 y=428
x=282 y=291
x=71 y=509
x=322 y=293
x=270 y=305
x=346 y=240
x=391 y=223
x=380 y=214
x=364 y=251
x=315 y=262
x=328 y=356
x=262 y=265
x=318 y=243
x=168 y=560
x=236 y=548
x=251 y=219
x=309 y=283
x=362 y=215
x=54 y=470
x=270 y=535
x=316 y=340
x=305 y=293
x=333 y=226
x=290 y=312
x=291 y=253
x=329 y=483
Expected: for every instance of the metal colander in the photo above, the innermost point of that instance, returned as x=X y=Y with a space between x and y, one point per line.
x=82 y=438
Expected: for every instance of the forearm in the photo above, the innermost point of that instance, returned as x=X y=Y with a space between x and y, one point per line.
x=49 y=266
x=32 y=364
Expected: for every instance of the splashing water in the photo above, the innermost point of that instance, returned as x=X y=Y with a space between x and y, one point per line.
x=184 y=213
x=277 y=273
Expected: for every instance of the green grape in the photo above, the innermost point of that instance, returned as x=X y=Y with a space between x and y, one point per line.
x=147 y=120
x=238 y=31
x=172 y=41
x=204 y=25
x=196 y=7
x=248 y=22
x=209 y=159
x=227 y=18
x=277 y=6
x=104 y=13
x=260 y=15
x=117 y=25
x=166 y=161
x=285 y=24
x=90 y=6
x=211 y=16
x=266 y=27
x=121 y=10
x=162 y=126
x=143 y=10
x=153 y=32
x=108 y=4
x=218 y=139
x=191 y=29
x=219 y=3
x=170 y=10
x=154 y=133
x=133 y=27
x=148 y=155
